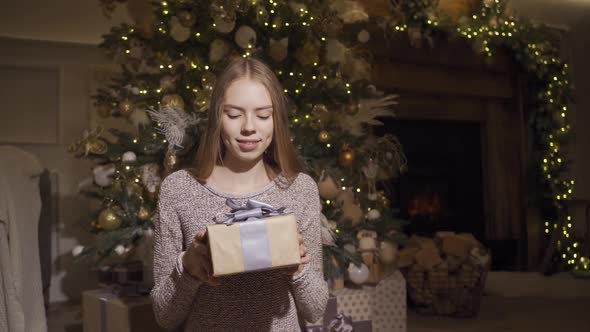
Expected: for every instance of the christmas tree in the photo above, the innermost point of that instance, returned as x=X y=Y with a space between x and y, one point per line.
x=169 y=59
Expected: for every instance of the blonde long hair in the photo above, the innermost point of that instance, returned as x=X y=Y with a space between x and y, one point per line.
x=281 y=155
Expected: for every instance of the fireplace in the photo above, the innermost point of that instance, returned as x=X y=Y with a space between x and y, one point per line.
x=442 y=189
x=462 y=121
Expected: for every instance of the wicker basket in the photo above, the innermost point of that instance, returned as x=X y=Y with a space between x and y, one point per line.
x=450 y=292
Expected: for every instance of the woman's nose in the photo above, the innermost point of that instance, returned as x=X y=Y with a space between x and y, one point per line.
x=248 y=125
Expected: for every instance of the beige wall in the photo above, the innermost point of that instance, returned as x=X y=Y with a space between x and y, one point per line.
x=68 y=114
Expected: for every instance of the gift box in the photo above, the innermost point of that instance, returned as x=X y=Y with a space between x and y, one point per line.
x=349 y=311
x=253 y=237
x=378 y=308
x=104 y=311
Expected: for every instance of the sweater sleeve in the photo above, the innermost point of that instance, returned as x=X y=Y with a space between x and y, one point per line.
x=309 y=288
x=174 y=289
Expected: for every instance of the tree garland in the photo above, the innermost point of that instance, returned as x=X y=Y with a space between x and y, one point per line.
x=490 y=26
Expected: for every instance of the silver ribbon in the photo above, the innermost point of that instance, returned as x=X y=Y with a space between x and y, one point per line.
x=253 y=231
x=250 y=211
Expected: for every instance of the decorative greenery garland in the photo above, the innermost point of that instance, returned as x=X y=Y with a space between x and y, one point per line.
x=490 y=26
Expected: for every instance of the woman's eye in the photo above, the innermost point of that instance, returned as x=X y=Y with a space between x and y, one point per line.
x=264 y=117
x=233 y=116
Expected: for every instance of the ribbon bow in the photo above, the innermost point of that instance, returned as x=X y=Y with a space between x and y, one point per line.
x=251 y=210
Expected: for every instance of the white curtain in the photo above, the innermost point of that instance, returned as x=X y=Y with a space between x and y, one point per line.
x=21 y=294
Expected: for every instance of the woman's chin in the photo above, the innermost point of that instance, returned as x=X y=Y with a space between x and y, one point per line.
x=248 y=156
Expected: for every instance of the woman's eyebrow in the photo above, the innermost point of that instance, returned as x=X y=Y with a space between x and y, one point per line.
x=242 y=109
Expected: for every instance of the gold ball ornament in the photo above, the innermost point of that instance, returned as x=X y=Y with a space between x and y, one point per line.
x=109 y=219
x=125 y=107
x=103 y=110
x=144 y=213
x=324 y=136
x=186 y=18
x=347 y=156
x=173 y=101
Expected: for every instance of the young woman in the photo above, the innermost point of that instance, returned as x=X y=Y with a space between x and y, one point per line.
x=246 y=153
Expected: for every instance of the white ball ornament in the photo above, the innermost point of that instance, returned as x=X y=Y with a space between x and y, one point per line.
x=363 y=36
x=374 y=214
x=120 y=249
x=77 y=250
x=129 y=157
x=103 y=175
x=358 y=274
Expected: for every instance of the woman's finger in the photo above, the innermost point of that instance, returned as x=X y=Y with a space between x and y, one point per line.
x=213 y=281
x=201 y=236
x=302 y=250
x=202 y=249
x=305 y=259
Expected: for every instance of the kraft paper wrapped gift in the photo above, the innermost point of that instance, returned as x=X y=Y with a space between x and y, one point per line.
x=253 y=237
x=341 y=321
x=104 y=311
x=380 y=308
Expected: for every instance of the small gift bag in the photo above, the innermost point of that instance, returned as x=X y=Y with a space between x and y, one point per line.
x=253 y=237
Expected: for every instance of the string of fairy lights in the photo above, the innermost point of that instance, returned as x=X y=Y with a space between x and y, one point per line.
x=491 y=28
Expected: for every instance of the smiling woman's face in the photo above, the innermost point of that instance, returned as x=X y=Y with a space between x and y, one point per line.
x=246 y=120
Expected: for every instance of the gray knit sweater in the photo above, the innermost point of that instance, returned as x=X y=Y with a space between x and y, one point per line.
x=255 y=301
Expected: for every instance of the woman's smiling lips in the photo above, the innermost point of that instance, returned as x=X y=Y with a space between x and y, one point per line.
x=247 y=145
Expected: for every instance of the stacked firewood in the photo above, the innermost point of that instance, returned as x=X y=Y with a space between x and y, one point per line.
x=445 y=274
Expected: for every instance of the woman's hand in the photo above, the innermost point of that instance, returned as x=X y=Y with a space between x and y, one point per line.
x=296 y=270
x=197 y=260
